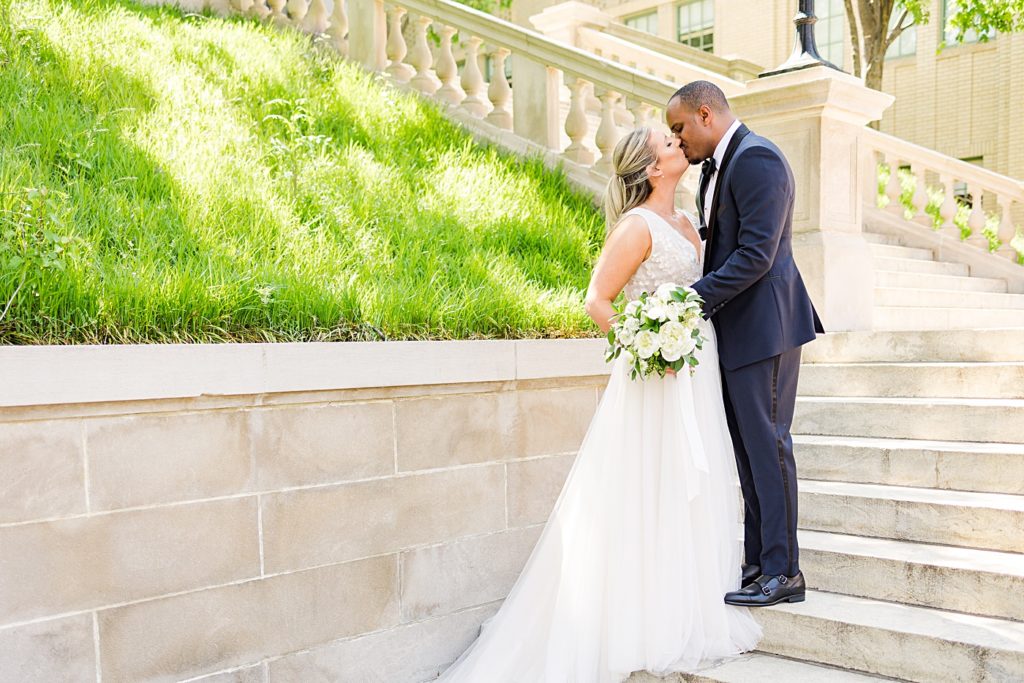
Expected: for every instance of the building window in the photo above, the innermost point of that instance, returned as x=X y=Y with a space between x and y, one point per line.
x=949 y=34
x=696 y=20
x=830 y=31
x=906 y=44
x=648 y=23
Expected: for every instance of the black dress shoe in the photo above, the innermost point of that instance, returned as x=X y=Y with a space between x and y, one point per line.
x=750 y=572
x=769 y=590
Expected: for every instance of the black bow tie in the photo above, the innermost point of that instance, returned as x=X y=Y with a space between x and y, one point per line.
x=708 y=167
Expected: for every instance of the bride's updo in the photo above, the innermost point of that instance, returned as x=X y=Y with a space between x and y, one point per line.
x=629 y=186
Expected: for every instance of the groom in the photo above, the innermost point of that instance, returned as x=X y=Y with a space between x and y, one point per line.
x=756 y=299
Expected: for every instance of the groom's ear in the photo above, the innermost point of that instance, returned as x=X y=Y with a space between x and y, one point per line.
x=705 y=114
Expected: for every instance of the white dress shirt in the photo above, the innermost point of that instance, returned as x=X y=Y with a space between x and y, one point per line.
x=723 y=144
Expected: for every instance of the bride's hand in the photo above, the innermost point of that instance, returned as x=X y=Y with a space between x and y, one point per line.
x=670 y=371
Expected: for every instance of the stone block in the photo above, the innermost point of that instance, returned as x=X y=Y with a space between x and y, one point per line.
x=55 y=650
x=86 y=562
x=533 y=487
x=441 y=579
x=309 y=527
x=147 y=459
x=211 y=630
x=316 y=444
x=43 y=471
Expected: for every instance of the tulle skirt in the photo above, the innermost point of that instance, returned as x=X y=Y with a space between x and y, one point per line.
x=643 y=542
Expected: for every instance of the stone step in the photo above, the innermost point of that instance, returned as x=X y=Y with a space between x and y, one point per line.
x=903 y=641
x=959 y=579
x=923 y=346
x=946 y=419
x=988 y=521
x=945 y=298
x=959 y=283
x=913 y=265
x=897 y=318
x=898 y=251
x=758 y=666
x=879 y=238
x=948 y=465
x=916 y=380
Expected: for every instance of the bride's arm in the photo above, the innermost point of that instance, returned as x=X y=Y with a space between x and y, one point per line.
x=627 y=247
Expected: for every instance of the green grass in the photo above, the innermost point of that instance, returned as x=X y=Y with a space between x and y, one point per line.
x=170 y=178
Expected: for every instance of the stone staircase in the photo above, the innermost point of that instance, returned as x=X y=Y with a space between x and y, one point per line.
x=916 y=291
x=912 y=507
x=910 y=447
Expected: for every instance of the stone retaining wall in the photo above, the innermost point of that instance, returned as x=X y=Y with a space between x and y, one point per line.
x=336 y=512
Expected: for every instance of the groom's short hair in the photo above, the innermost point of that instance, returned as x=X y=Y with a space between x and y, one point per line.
x=696 y=93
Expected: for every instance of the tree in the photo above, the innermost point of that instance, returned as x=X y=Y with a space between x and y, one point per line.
x=876 y=24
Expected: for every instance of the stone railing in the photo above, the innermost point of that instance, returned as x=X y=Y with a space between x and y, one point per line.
x=735 y=68
x=540 y=66
x=942 y=188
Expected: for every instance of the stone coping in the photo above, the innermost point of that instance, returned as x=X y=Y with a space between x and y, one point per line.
x=48 y=375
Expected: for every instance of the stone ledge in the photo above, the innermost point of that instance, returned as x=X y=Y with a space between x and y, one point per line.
x=47 y=375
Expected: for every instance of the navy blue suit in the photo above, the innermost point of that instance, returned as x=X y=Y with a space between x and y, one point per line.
x=755 y=297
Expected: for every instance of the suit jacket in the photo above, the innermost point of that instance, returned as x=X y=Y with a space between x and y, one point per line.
x=752 y=289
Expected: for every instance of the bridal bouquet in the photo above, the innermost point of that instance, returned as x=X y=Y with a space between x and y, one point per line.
x=657 y=331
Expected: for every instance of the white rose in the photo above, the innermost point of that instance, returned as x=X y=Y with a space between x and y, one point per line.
x=646 y=344
x=656 y=311
x=676 y=311
x=631 y=324
x=676 y=341
x=625 y=336
x=632 y=308
x=664 y=292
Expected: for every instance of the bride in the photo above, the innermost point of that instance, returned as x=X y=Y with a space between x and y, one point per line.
x=645 y=537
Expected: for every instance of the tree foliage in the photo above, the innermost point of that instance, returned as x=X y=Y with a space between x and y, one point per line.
x=876 y=24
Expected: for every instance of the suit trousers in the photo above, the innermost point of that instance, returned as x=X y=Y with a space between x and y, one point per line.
x=759 y=403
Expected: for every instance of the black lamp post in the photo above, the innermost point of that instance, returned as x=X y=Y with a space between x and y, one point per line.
x=805 y=51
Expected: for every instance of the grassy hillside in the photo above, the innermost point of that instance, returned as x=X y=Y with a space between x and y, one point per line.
x=170 y=178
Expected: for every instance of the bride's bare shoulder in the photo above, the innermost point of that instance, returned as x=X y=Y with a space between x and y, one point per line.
x=630 y=235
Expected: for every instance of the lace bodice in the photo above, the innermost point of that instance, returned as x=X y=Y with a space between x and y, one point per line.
x=672 y=259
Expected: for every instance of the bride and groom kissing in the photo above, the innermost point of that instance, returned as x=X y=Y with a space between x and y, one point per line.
x=640 y=566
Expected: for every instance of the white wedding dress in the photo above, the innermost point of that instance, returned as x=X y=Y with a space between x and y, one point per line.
x=630 y=571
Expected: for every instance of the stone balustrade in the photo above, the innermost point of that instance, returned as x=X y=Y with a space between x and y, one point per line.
x=960 y=184
x=542 y=68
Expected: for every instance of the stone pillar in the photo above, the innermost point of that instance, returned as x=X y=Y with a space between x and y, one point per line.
x=816 y=116
x=367 y=34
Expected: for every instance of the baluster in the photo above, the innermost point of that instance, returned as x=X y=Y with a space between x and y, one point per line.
x=641 y=112
x=893 y=189
x=447 y=70
x=1007 y=230
x=396 y=48
x=277 y=14
x=221 y=8
x=607 y=133
x=338 y=30
x=473 y=80
x=422 y=60
x=976 y=219
x=259 y=9
x=316 y=18
x=948 y=208
x=576 y=123
x=297 y=12
x=919 y=200
x=500 y=92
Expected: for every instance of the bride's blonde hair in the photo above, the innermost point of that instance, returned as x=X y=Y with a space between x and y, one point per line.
x=629 y=186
